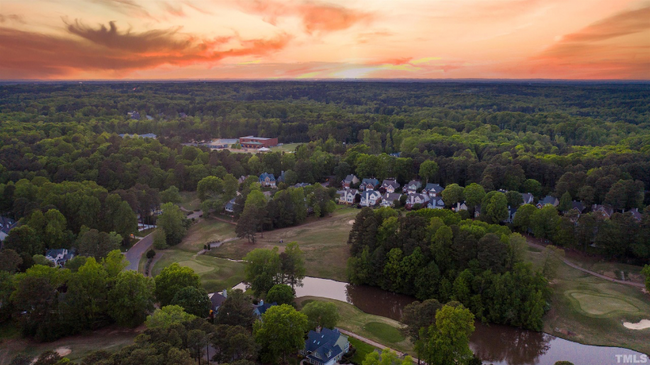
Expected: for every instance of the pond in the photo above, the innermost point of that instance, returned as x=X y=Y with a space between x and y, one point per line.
x=494 y=344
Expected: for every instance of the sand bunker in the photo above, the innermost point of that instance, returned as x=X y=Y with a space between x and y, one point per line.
x=351 y=222
x=643 y=324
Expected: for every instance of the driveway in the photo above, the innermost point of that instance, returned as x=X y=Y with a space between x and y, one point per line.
x=134 y=254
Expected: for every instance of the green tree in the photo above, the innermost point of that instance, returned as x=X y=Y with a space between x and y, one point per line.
x=125 y=221
x=522 y=217
x=514 y=199
x=565 y=202
x=234 y=345
x=532 y=186
x=262 y=270
x=236 y=310
x=167 y=317
x=321 y=314
x=473 y=194
x=553 y=258
x=646 y=273
x=172 y=221
x=280 y=333
x=24 y=239
x=171 y=195
x=447 y=342
x=160 y=239
x=428 y=170
x=388 y=357
x=172 y=279
x=452 y=194
x=292 y=265
x=280 y=294
x=543 y=222
x=497 y=208
x=193 y=300
x=131 y=299
x=10 y=260
x=419 y=315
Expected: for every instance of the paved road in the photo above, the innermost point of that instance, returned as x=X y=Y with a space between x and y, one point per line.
x=566 y=261
x=134 y=254
x=195 y=215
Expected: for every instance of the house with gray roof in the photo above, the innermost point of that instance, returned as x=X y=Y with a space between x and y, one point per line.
x=432 y=190
x=6 y=224
x=348 y=196
x=369 y=184
x=528 y=198
x=390 y=185
x=388 y=199
x=349 y=181
x=548 y=200
x=413 y=199
x=59 y=256
x=436 y=203
x=413 y=186
x=370 y=198
x=325 y=346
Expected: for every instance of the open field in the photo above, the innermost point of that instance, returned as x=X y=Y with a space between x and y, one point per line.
x=362 y=349
x=206 y=230
x=382 y=330
x=323 y=241
x=109 y=339
x=216 y=274
x=592 y=310
x=190 y=200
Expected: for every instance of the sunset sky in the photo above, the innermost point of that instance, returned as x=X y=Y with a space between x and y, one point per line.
x=303 y=39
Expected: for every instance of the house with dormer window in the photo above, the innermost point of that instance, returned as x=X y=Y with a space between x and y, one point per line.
x=348 y=196
x=433 y=190
x=267 y=180
x=413 y=186
x=390 y=185
x=369 y=184
x=349 y=181
x=436 y=203
x=370 y=198
x=325 y=346
x=388 y=199
x=413 y=199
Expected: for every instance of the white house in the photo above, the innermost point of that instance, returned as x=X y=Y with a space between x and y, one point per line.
x=528 y=198
x=59 y=256
x=370 y=198
x=414 y=199
x=459 y=206
x=347 y=196
x=413 y=186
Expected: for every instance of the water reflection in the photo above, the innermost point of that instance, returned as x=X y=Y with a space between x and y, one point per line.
x=494 y=344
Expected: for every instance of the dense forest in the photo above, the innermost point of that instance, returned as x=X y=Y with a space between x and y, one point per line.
x=71 y=181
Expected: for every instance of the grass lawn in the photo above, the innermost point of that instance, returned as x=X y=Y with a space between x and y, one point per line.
x=379 y=329
x=190 y=200
x=323 y=242
x=109 y=339
x=590 y=310
x=362 y=349
x=216 y=274
x=207 y=230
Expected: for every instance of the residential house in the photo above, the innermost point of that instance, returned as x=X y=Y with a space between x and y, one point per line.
x=230 y=206
x=459 y=206
x=388 y=199
x=390 y=185
x=370 y=198
x=325 y=346
x=602 y=211
x=301 y=185
x=369 y=184
x=413 y=199
x=134 y=115
x=528 y=198
x=241 y=179
x=548 y=200
x=348 y=196
x=511 y=214
x=433 y=190
x=636 y=214
x=436 y=202
x=262 y=307
x=267 y=180
x=217 y=300
x=349 y=181
x=59 y=256
x=281 y=178
x=6 y=224
x=577 y=205
x=413 y=186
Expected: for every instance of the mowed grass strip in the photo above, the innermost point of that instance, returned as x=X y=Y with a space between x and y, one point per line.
x=362 y=349
x=323 y=242
x=597 y=304
x=205 y=231
x=379 y=329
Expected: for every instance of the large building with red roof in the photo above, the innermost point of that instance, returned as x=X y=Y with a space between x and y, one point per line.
x=257 y=142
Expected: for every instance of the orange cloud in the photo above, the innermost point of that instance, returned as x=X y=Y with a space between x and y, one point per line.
x=609 y=48
x=34 y=55
x=176 y=11
x=11 y=17
x=316 y=17
x=126 y=7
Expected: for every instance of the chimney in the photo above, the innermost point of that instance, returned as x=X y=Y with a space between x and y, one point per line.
x=318 y=329
x=225 y=293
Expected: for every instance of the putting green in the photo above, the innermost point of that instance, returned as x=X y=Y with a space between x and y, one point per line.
x=601 y=305
x=198 y=268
